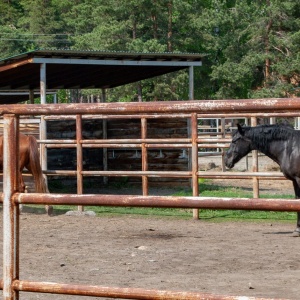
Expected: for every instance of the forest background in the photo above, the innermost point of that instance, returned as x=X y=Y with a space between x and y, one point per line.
x=251 y=47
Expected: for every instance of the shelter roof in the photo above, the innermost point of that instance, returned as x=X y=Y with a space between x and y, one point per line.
x=72 y=69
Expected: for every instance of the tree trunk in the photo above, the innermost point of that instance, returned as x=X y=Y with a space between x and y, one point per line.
x=139 y=92
x=154 y=21
x=267 y=49
x=169 y=37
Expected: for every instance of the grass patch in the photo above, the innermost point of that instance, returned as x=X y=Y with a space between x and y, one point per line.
x=207 y=190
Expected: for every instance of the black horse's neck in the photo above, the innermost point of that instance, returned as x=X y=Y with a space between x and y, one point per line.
x=266 y=136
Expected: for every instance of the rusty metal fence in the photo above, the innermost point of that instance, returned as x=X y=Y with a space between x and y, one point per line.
x=191 y=110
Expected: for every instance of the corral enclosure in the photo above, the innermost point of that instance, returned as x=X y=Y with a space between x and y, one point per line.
x=121 y=158
x=217 y=235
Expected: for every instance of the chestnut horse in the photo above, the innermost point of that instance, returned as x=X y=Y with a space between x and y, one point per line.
x=29 y=158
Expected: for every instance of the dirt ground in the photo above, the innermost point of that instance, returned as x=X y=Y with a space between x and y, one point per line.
x=254 y=259
x=229 y=258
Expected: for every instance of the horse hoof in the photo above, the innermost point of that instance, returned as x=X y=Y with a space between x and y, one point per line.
x=296 y=233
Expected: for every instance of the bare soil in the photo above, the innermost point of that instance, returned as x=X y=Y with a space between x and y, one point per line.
x=255 y=259
x=229 y=258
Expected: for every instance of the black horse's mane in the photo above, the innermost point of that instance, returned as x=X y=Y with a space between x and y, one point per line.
x=263 y=134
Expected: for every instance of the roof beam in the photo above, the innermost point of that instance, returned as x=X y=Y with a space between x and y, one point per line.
x=115 y=62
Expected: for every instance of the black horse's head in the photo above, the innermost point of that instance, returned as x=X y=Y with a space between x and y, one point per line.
x=240 y=146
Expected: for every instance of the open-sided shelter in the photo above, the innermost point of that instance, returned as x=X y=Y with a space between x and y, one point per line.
x=43 y=70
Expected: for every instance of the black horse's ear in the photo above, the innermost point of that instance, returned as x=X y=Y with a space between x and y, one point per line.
x=240 y=129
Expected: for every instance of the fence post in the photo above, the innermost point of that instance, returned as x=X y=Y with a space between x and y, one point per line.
x=10 y=209
x=104 y=136
x=79 y=158
x=145 y=185
x=255 y=165
x=194 y=154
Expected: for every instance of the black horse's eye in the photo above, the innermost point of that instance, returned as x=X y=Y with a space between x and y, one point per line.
x=235 y=139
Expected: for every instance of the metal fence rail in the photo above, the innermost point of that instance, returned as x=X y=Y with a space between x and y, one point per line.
x=11 y=198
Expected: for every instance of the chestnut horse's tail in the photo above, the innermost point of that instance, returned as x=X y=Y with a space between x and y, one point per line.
x=34 y=166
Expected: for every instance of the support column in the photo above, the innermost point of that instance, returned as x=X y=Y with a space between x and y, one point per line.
x=191 y=83
x=43 y=83
x=43 y=127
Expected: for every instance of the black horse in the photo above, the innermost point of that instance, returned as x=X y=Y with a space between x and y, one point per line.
x=279 y=142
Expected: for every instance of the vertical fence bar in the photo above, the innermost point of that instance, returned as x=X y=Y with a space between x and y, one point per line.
x=191 y=83
x=145 y=185
x=10 y=210
x=255 y=165
x=104 y=136
x=194 y=154
x=79 y=156
x=222 y=150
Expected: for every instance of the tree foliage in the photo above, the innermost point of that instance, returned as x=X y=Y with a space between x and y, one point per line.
x=252 y=46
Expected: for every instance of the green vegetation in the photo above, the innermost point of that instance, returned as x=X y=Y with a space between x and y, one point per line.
x=207 y=190
x=251 y=46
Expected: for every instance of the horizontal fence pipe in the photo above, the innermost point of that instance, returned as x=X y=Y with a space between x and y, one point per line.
x=201 y=174
x=135 y=141
x=60 y=172
x=285 y=113
x=166 y=107
x=117 y=292
x=214 y=140
x=139 y=173
x=54 y=146
x=108 y=116
x=168 y=146
x=118 y=173
x=292 y=205
x=244 y=177
x=213 y=145
x=57 y=141
x=235 y=175
x=116 y=141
